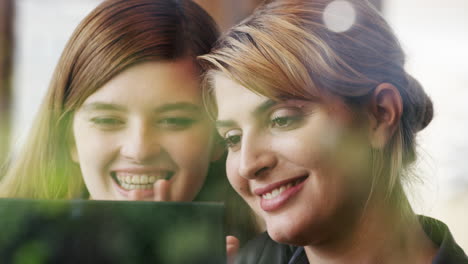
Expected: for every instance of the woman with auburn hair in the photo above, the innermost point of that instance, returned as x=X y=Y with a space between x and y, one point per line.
x=123 y=118
x=320 y=119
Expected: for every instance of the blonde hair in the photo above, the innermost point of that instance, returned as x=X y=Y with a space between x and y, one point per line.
x=114 y=36
x=285 y=50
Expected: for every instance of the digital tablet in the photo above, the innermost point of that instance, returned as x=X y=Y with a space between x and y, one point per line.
x=81 y=231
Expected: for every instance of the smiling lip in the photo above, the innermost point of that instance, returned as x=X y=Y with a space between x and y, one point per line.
x=140 y=179
x=274 y=196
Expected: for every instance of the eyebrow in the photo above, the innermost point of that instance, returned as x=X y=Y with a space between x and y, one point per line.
x=259 y=110
x=263 y=107
x=102 y=106
x=224 y=123
x=179 y=106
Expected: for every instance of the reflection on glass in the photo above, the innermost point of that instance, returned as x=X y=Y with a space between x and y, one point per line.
x=111 y=232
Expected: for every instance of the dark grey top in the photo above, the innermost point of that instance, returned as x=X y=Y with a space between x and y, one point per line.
x=263 y=250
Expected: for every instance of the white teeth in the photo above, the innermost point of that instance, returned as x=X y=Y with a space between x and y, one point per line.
x=151 y=178
x=132 y=181
x=135 y=179
x=282 y=189
x=136 y=186
x=144 y=179
x=140 y=179
x=276 y=192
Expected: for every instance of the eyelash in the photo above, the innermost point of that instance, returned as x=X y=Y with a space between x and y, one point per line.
x=106 y=121
x=286 y=121
x=276 y=121
x=285 y=118
x=176 y=123
x=231 y=141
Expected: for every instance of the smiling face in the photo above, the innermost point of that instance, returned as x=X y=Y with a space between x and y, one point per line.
x=301 y=165
x=145 y=124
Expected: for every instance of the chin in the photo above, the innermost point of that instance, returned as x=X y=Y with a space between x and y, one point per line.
x=288 y=238
x=288 y=233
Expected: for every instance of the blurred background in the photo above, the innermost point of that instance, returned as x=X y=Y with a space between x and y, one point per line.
x=433 y=33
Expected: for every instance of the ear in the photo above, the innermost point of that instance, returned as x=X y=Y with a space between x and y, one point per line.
x=386 y=108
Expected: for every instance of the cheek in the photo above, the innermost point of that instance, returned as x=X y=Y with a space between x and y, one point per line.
x=325 y=144
x=297 y=149
x=349 y=153
x=83 y=141
x=93 y=148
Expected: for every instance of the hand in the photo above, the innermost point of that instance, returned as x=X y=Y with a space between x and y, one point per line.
x=161 y=190
x=232 y=246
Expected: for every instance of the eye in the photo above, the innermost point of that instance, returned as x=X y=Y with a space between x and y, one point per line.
x=285 y=118
x=232 y=138
x=176 y=122
x=281 y=121
x=107 y=122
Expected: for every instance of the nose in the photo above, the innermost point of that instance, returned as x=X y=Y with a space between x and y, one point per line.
x=256 y=157
x=140 y=143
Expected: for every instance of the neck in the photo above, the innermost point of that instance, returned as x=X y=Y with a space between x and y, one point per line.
x=382 y=235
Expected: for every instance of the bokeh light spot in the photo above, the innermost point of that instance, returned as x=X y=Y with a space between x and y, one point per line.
x=339 y=16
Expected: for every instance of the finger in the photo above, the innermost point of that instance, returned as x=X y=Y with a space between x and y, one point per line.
x=232 y=247
x=161 y=190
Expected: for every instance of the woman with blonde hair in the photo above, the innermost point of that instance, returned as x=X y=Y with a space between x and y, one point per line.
x=320 y=119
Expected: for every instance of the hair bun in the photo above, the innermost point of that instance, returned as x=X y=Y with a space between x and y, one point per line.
x=421 y=109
